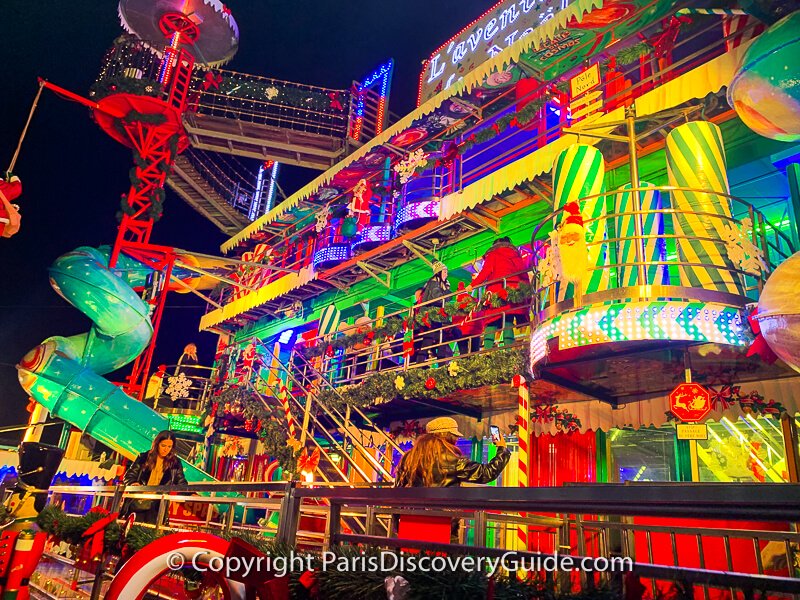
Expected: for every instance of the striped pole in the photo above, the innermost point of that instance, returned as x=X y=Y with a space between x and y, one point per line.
x=737 y=30
x=655 y=248
x=524 y=437
x=283 y=396
x=696 y=159
x=579 y=171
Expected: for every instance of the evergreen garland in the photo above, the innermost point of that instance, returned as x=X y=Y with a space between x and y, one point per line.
x=124 y=85
x=54 y=521
x=491 y=368
x=393 y=325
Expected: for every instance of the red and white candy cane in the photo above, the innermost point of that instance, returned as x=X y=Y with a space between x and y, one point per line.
x=284 y=398
x=524 y=436
x=165 y=555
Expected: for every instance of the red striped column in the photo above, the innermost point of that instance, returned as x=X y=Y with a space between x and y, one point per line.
x=524 y=436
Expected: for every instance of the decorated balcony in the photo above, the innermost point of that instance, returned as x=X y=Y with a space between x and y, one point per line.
x=649 y=270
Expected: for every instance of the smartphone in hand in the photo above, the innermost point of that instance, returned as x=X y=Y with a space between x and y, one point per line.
x=495 y=431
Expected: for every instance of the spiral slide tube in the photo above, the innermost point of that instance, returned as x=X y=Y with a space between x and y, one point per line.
x=64 y=374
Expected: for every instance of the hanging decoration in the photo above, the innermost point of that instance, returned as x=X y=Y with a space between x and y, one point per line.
x=234 y=406
x=243 y=87
x=178 y=386
x=547 y=413
x=407 y=167
x=10 y=190
x=742 y=251
x=430 y=383
x=753 y=402
x=407 y=430
x=475 y=371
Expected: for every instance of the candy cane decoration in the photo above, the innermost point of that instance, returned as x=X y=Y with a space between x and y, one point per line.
x=284 y=398
x=524 y=437
x=167 y=555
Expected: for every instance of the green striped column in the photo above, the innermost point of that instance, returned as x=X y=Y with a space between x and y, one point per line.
x=696 y=159
x=578 y=172
x=329 y=320
x=655 y=249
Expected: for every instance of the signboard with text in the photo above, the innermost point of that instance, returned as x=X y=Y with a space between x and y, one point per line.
x=692 y=431
x=499 y=27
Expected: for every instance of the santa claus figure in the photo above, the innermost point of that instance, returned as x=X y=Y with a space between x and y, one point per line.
x=10 y=190
x=572 y=251
x=359 y=204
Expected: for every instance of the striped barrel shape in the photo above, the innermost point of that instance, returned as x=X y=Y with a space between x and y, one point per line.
x=578 y=172
x=696 y=159
x=654 y=248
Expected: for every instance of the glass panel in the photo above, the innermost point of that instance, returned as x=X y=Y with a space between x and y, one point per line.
x=748 y=449
x=646 y=454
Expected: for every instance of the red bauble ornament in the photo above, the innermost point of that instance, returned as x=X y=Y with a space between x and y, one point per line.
x=329 y=351
x=430 y=383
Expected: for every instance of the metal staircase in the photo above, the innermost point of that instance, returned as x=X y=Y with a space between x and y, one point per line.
x=365 y=450
x=197 y=190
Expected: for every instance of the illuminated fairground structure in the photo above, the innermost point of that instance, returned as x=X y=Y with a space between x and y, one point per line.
x=612 y=188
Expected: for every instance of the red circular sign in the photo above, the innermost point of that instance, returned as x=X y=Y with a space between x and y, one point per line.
x=690 y=402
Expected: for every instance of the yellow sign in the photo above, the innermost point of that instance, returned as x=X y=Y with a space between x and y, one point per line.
x=692 y=431
x=585 y=81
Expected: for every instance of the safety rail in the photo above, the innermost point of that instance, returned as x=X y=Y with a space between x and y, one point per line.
x=491 y=324
x=130 y=66
x=325 y=418
x=235 y=183
x=728 y=537
x=184 y=399
x=660 y=262
x=272 y=102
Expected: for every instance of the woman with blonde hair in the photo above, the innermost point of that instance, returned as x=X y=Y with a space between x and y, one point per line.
x=436 y=461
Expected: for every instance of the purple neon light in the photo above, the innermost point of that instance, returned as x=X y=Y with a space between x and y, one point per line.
x=334 y=253
x=374 y=234
x=429 y=209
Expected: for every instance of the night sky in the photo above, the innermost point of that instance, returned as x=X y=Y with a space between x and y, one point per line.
x=73 y=174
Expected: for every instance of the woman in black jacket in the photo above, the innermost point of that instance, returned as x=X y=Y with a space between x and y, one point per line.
x=435 y=461
x=159 y=466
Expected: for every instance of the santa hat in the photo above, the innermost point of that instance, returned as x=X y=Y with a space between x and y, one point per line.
x=572 y=214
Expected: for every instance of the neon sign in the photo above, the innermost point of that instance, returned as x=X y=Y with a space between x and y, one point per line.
x=505 y=23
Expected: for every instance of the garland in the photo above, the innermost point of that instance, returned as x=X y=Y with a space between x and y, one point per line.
x=54 y=521
x=237 y=407
x=461 y=306
x=751 y=403
x=466 y=373
x=547 y=413
x=124 y=85
x=288 y=95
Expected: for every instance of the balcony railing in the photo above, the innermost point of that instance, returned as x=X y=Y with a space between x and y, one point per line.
x=715 y=538
x=682 y=252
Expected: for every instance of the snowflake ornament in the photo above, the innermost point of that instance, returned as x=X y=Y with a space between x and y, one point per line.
x=399 y=383
x=178 y=386
x=741 y=250
x=453 y=369
x=407 y=167
x=271 y=92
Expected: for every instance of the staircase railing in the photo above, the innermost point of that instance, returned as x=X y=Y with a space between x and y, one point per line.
x=350 y=433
